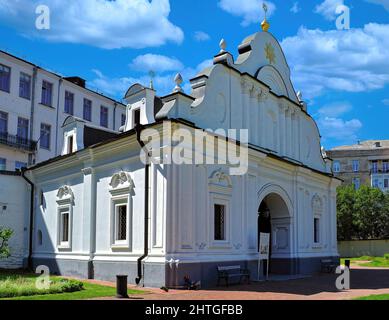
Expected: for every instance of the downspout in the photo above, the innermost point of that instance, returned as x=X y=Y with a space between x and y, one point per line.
x=29 y=261
x=114 y=115
x=57 y=127
x=32 y=112
x=138 y=130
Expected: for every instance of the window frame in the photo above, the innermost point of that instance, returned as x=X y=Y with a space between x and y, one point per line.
x=336 y=167
x=356 y=165
x=6 y=118
x=317 y=230
x=221 y=200
x=62 y=210
x=8 y=90
x=134 y=112
x=22 y=77
x=44 y=96
x=84 y=108
x=101 y=116
x=69 y=94
x=49 y=137
x=25 y=127
x=116 y=202
x=3 y=164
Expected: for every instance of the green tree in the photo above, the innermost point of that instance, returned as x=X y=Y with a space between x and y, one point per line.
x=345 y=212
x=5 y=235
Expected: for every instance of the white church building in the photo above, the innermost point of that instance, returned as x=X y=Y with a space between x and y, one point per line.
x=100 y=211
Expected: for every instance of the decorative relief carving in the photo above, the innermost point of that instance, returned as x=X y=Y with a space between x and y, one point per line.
x=65 y=193
x=220 y=178
x=121 y=181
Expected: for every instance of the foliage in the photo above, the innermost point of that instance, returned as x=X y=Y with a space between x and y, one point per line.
x=366 y=261
x=381 y=297
x=5 y=235
x=363 y=214
x=25 y=285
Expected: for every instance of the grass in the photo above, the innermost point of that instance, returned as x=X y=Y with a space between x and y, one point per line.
x=22 y=287
x=380 y=297
x=367 y=261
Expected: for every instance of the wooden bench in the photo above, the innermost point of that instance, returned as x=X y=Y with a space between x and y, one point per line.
x=328 y=266
x=226 y=273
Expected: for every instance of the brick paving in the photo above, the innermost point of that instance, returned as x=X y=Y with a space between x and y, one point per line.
x=364 y=282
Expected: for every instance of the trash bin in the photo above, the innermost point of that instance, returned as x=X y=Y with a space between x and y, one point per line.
x=121 y=287
x=347 y=263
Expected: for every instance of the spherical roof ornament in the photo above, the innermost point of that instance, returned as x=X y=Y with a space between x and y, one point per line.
x=265 y=24
x=178 y=80
x=223 y=45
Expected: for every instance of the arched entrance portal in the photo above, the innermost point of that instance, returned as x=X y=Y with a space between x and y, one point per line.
x=274 y=217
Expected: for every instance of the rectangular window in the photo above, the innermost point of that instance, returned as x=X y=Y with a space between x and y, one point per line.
x=104 y=116
x=136 y=117
x=121 y=222
x=336 y=166
x=5 y=78
x=3 y=164
x=357 y=183
x=69 y=103
x=317 y=230
x=45 y=136
x=355 y=166
x=22 y=128
x=220 y=216
x=87 y=112
x=70 y=144
x=19 y=165
x=375 y=183
x=25 y=86
x=64 y=227
x=123 y=119
x=385 y=166
x=3 y=123
x=374 y=167
x=47 y=93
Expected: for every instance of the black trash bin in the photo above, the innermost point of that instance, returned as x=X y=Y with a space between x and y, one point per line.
x=347 y=263
x=121 y=287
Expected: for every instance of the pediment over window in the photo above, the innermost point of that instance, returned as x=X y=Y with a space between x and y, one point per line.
x=121 y=181
x=220 y=178
x=317 y=204
x=65 y=194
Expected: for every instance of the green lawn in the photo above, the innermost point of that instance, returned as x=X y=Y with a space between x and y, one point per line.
x=366 y=261
x=377 y=297
x=21 y=286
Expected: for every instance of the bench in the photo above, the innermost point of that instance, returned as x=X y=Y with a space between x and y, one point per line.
x=328 y=266
x=226 y=273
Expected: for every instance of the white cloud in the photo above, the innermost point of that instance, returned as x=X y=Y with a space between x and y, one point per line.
x=163 y=83
x=201 y=36
x=250 y=10
x=101 y=23
x=384 y=3
x=335 y=109
x=339 y=129
x=385 y=102
x=295 y=8
x=156 y=63
x=353 y=61
x=328 y=8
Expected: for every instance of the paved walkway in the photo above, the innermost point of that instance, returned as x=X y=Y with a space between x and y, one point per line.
x=364 y=282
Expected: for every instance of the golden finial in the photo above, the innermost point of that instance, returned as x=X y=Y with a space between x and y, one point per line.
x=265 y=25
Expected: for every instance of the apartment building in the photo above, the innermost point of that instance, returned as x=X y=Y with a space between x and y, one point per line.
x=366 y=163
x=34 y=104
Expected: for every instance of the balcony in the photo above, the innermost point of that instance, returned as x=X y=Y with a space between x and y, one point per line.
x=17 y=142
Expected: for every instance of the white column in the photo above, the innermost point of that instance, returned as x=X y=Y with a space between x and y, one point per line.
x=292 y=133
x=246 y=89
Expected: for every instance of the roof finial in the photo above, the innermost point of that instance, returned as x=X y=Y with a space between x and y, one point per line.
x=152 y=76
x=265 y=25
x=178 y=80
x=223 y=45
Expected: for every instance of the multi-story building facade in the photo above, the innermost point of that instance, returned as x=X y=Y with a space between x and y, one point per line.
x=366 y=163
x=35 y=102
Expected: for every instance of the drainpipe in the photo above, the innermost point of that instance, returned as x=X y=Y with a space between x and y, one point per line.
x=32 y=112
x=57 y=127
x=138 y=130
x=114 y=115
x=31 y=218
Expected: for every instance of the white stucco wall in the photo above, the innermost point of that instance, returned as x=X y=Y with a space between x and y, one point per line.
x=15 y=195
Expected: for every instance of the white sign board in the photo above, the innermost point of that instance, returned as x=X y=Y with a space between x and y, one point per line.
x=264 y=246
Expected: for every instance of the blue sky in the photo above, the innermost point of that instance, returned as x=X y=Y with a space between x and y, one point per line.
x=344 y=75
